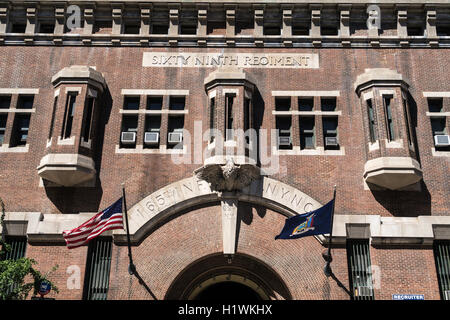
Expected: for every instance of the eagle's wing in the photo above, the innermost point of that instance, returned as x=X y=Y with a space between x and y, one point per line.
x=247 y=174
x=211 y=173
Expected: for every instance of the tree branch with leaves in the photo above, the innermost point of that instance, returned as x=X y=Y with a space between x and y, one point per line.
x=18 y=276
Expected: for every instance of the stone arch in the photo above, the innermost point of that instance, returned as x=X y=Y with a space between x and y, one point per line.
x=166 y=202
x=213 y=269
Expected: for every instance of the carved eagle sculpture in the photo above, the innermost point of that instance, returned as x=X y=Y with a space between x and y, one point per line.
x=228 y=177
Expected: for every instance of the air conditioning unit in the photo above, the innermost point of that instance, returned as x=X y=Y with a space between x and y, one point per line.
x=175 y=137
x=284 y=141
x=442 y=140
x=331 y=141
x=363 y=291
x=128 y=137
x=151 y=138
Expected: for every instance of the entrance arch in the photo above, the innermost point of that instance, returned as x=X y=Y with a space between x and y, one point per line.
x=214 y=278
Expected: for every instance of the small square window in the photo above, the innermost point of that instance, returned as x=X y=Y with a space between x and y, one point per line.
x=188 y=29
x=18 y=28
x=435 y=104
x=282 y=103
x=300 y=30
x=131 y=29
x=305 y=104
x=271 y=31
x=102 y=27
x=25 y=102
x=415 y=31
x=177 y=103
x=46 y=28
x=329 y=31
x=154 y=103
x=160 y=29
x=5 y=102
x=328 y=104
x=131 y=103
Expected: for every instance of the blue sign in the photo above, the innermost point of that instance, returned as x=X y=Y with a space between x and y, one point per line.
x=408 y=297
x=44 y=288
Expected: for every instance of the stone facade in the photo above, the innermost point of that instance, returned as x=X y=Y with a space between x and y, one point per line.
x=394 y=184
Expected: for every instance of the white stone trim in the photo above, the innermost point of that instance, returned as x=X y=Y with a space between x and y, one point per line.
x=385 y=92
x=318 y=151
x=436 y=153
x=306 y=93
x=437 y=114
x=66 y=142
x=212 y=94
x=229 y=90
x=154 y=92
x=14 y=110
x=73 y=89
x=162 y=111
x=19 y=91
x=306 y=113
x=394 y=144
x=56 y=93
x=368 y=95
x=374 y=146
x=4 y=148
x=49 y=142
x=436 y=94
x=141 y=150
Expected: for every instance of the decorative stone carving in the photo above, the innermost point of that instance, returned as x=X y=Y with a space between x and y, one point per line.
x=228 y=177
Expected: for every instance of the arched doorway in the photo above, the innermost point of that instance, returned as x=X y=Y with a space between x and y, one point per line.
x=215 y=277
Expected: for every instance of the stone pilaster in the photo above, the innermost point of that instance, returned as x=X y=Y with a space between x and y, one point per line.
x=230 y=25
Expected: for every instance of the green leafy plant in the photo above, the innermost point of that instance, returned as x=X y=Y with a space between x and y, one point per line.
x=18 y=277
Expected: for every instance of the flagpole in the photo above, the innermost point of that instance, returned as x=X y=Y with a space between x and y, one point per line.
x=328 y=257
x=131 y=267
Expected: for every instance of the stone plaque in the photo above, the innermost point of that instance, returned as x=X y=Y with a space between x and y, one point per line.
x=238 y=60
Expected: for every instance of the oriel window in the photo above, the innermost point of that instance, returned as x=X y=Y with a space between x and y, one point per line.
x=372 y=124
x=68 y=115
x=387 y=100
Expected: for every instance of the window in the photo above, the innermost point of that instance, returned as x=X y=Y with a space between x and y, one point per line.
x=5 y=102
x=328 y=104
x=46 y=27
x=407 y=123
x=283 y=126
x=152 y=131
x=131 y=103
x=131 y=28
x=435 y=104
x=52 y=121
x=68 y=115
x=330 y=132
x=389 y=122
x=102 y=27
x=18 y=246
x=160 y=28
x=175 y=132
x=3 y=121
x=282 y=103
x=329 y=31
x=18 y=27
x=154 y=103
x=88 y=118
x=177 y=103
x=129 y=131
x=372 y=123
x=360 y=269
x=19 y=133
x=25 y=102
x=307 y=136
x=442 y=260
x=229 y=99
x=212 y=117
x=188 y=29
x=299 y=30
x=305 y=104
x=415 y=31
x=271 y=30
x=98 y=264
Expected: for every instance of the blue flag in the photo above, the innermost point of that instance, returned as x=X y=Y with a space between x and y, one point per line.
x=308 y=224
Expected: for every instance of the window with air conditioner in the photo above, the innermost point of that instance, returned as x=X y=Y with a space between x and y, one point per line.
x=330 y=132
x=175 y=132
x=440 y=134
x=129 y=131
x=152 y=131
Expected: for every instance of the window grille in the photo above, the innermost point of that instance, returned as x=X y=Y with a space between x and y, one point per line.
x=442 y=259
x=359 y=268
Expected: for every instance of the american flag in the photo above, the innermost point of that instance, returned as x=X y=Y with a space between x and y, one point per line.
x=109 y=219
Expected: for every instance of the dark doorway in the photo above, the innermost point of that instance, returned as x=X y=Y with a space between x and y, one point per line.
x=224 y=291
